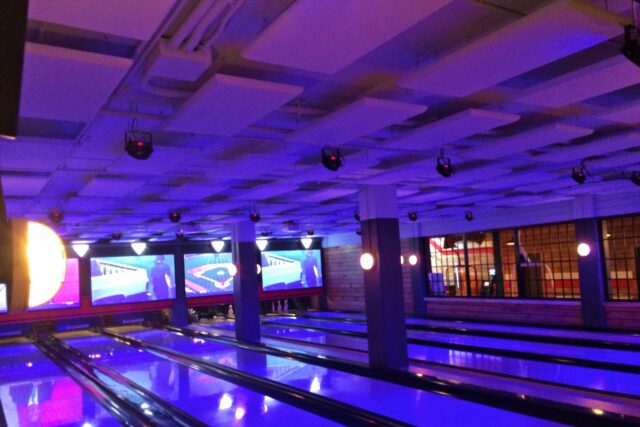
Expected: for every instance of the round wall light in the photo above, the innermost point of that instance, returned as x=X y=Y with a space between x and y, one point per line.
x=367 y=261
x=47 y=263
x=584 y=249
x=232 y=269
x=413 y=260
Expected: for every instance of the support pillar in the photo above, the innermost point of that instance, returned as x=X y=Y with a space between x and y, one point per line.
x=591 y=272
x=179 y=309
x=418 y=247
x=386 y=329
x=245 y=283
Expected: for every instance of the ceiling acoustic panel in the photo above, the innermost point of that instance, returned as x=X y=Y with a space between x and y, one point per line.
x=629 y=114
x=598 y=79
x=65 y=84
x=358 y=119
x=192 y=192
x=34 y=154
x=595 y=148
x=536 y=138
x=264 y=192
x=328 y=194
x=18 y=185
x=553 y=32
x=622 y=159
x=137 y=19
x=326 y=36
x=163 y=160
x=414 y=171
x=110 y=187
x=452 y=128
x=225 y=105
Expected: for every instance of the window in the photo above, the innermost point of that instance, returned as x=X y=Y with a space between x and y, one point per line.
x=621 y=241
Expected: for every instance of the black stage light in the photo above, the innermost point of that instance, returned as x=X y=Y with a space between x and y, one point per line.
x=444 y=167
x=356 y=216
x=56 y=216
x=254 y=215
x=265 y=233
x=413 y=216
x=331 y=158
x=116 y=236
x=579 y=174
x=359 y=231
x=310 y=232
x=468 y=215
x=180 y=235
x=635 y=178
x=138 y=144
x=631 y=48
x=175 y=215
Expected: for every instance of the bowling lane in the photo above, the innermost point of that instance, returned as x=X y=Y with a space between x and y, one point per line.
x=35 y=392
x=590 y=378
x=566 y=351
x=212 y=400
x=614 y=337
x=402 y=403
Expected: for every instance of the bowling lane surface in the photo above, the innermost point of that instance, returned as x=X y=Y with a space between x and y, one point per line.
x=615 y=337
x=560 y=350
x=406 y=404
x=35 y=392
x=577 y=376
x=212 y=400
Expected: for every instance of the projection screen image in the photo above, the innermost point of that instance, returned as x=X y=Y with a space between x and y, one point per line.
x=208 y=274
x=127 y=279
x=297 y=269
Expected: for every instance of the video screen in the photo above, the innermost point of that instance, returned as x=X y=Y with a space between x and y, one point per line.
x=127 y=279
x=208 y=274
x=285 y=270
x=3 y=298
x=69 y=294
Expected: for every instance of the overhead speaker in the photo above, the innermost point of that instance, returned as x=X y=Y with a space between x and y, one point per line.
x=175 y=215
x=332 y=158
x=443 y=166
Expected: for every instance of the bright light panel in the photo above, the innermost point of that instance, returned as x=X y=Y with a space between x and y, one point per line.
x=306 y=242
x=139 y=247
x=47 y=263
x=80 y=249
x=217 y=245
x=366 y=261
x=262 y=244
x=584 y=249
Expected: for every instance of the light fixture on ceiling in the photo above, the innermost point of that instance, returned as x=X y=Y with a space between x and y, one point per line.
x=306 y=242
x=332 y=158
x=413 y=216
x=635 y=178
x=443 y=165
x=310 y=232
x=175 y=215
x=468 y=215
x=56 y=216
x=359 y=231
x=262 y=244
x=138 y=247
x=413 y=259
x=217 y=245
x=631 y=47
x=180 y=235
x=116 y=236
x=138 y=144
x=254 y=215
x=80 y=248
x=356 y=215
x=579 y=174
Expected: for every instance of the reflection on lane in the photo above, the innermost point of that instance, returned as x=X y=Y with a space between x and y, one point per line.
x=403 y=403
x=619 y=382
x=603 y=355
x=35 y=392
x=190 y=390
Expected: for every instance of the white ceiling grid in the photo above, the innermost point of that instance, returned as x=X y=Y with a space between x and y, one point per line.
x=522 y=93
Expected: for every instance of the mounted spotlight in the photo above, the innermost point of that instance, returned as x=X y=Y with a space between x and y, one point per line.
x=359 y=231
x=631 y=47
x=138 y=247
x=413 y=216
x=254 y=215
x=116 y=236
x=80 y=248
x=180 y=235
x=310 y=232
x=579 y=174
x=468 y=215
x=265 y=233
x=306 y=242
x=356 y=216
x=635 y=178
x=56 y=216
x=262 y=244
x=175 y=215
x=443 y=165
x=138 y=144
x=217 y=245
x=331 y=158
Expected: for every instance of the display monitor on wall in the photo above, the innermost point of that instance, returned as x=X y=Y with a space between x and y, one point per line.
x=286 y=270
x=3 y=298
x=128 y=279
x=69 y=294
x=208 y=274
